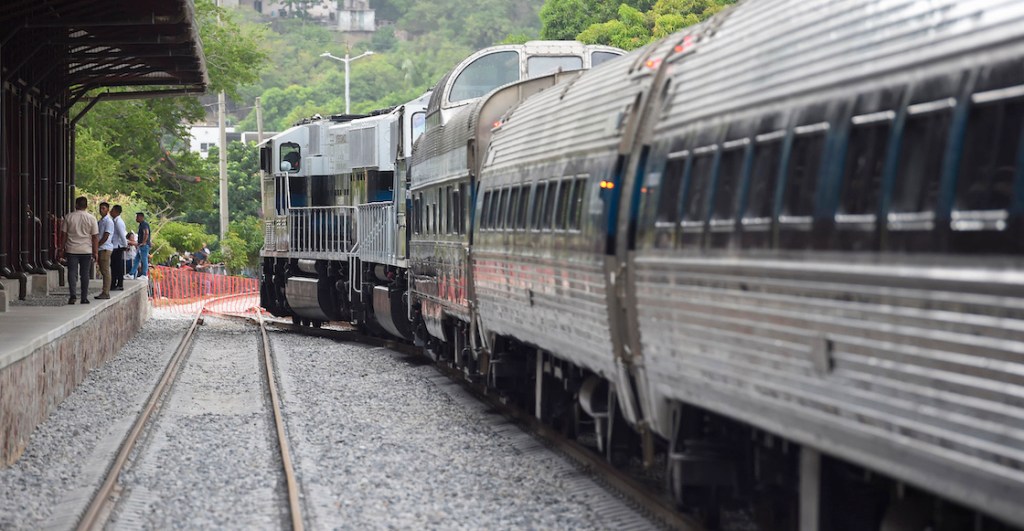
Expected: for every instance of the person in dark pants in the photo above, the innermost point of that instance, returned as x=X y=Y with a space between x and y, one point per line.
x=80 y=245
x=120 y=238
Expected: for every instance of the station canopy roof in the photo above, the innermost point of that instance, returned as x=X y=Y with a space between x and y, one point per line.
x=151 y=47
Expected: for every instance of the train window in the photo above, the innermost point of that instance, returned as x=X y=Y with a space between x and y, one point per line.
x=485 y=74
x=671 y=187
x=764 y=176
x=541 y=65
x=291 y=153
x=730 y=174
x=538 y=205
x=499 y=212
x=802 y=170
x=576 y=204
x=550 y=205
x=485 y=210
x=521 y=210
x=513 y=206
x=990 y=158
x=455 y=204
x=866 y=152
x=699 y=186
x=602 y=57
x=419 y=124
x=415 y=218
x=920 y=160
x=465 y=206
x=442 y=212
x=564 y=193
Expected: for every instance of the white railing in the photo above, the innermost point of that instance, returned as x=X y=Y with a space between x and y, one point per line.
x=322 y=229
x=377 y=228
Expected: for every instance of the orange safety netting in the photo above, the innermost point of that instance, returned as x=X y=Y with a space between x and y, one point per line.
x=185 y=291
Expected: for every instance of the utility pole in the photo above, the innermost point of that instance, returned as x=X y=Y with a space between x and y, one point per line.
x=223 y=167
x=223 y=157
x=259 y=122
x=346 y=60
x=259 y=140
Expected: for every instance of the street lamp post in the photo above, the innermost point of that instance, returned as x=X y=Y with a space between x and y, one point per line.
x=346 y=60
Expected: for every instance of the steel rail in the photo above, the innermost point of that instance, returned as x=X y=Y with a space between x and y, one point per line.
x=641 y=496
x=103 y=497
x=282 y=439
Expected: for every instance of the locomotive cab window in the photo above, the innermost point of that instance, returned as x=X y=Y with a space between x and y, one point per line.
x=485 y=74
x=291 y=157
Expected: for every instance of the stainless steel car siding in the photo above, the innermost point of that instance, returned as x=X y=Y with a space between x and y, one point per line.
x=778 y=49
x=924 y=359
x=549 y=289
x=907 y=369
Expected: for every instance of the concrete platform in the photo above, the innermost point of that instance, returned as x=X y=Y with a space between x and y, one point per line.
x=46 y=351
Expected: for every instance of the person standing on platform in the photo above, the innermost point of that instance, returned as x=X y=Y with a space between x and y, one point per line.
x=130 y=252
x=141 y=265
x=80 y=244
x=120 y=244
x=106 y=243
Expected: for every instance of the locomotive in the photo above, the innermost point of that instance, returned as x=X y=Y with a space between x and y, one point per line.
x=777 y=254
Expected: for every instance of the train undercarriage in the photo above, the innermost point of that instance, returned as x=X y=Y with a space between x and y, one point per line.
x=370 y=296
x=726 y=474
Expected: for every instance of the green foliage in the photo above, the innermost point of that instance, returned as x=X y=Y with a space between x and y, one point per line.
x=138 y=146
x=181 y=236
x=628 y=32
x=234 y=56
x=630 y=26
x=565 y=19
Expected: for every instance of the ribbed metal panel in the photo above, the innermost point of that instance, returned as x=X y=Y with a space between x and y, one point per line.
x=440 y=153
x=914 y=369
x=362 y=147
x=554 y=305
x=774 y=50
x=597 y=104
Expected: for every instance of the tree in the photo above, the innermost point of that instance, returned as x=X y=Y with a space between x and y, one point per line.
x=138 y=146
x=632 y=28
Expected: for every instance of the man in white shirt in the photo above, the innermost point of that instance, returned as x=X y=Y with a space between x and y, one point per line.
x=120 y=238
x=106 y=244
x=79 y=243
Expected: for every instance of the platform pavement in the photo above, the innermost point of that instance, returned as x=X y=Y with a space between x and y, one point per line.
x=45 y=351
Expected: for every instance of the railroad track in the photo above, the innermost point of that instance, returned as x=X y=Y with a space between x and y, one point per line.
x=108 y=495
x=640 y=496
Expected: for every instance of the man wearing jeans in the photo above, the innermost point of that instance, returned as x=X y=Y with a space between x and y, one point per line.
x=79 y=233
x=145 y=239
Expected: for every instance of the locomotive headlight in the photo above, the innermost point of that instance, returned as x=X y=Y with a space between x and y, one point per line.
x=607 y=185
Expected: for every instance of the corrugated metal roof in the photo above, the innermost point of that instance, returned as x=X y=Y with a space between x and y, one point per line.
x=81 y=45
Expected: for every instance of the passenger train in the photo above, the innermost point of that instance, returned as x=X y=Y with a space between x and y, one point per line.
x=776 y=254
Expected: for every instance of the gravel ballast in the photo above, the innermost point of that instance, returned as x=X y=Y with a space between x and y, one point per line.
x=380 y=440
x=379 y=444
x=67 y=453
